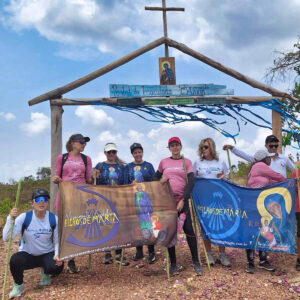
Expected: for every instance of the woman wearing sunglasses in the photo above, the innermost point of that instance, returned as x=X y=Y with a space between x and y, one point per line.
x=75 y=167
x=38 y=247
x=111 y=172
x=140 y=171
x=174 y=169
x=208 y=165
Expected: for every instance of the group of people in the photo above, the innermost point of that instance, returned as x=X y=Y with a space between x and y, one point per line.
x=39 y=241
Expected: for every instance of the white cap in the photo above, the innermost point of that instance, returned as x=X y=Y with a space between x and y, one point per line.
x=110 y=146
x=262 y=154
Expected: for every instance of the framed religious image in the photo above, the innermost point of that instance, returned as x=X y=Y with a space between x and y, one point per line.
x=167 y=70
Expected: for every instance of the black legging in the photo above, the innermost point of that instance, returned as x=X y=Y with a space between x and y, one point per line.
x=191 y=239
x=250 y=255
x=150 y=249
x=22 y=260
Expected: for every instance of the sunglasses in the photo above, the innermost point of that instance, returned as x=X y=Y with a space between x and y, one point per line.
x=40 y=199
x=112 y=152
x=273 y=146
x=82 y=142
x=204 y=147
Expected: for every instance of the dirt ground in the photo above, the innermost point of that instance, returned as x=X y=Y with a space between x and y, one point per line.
x=143 y=281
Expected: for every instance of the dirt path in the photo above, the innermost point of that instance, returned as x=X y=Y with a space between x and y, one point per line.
x=150 y=282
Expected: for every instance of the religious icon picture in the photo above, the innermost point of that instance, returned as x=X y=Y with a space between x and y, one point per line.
x=167 y=70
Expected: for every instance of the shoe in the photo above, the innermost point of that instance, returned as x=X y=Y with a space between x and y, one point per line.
x=173 y=270
x=125 y=262
x=266 y=265
x=72 y=267
x=107 y=259
x=250 y=268
x=16 y=291
x=198 y=268
x=45 y=278
x=223 y=260
x=298 y=264
x=210 y=258
x=138 y=256
x=151 y=258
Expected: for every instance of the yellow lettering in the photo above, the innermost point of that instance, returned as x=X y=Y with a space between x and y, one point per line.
x=84 y=221
x=244 y=215
x=88 y=220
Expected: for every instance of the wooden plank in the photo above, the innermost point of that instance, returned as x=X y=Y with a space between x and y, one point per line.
x=127 y=91
x=164 y=100
x=252 y=82
x=56 y=147
x=56 y=93
x=277 y=127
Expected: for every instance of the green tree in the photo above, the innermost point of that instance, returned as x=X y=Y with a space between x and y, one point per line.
x=43 y=173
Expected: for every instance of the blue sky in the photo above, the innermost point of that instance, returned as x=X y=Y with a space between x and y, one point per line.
x=47 y=43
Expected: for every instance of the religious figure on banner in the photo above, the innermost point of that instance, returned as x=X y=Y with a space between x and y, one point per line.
x=167 y=70
x=144 y=211
x=113 y=176
x=155 y=225
x=138 y=175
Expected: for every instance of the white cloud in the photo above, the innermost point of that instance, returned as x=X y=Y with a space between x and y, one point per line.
x=38 y=124
x=7 y=116
x=89 y=115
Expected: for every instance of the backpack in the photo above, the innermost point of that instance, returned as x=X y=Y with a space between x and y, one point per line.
x=64 y=159
x=28 y=218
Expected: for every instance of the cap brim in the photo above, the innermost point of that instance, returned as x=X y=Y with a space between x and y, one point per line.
x=87 y=139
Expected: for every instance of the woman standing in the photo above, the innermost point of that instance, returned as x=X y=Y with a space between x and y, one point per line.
x=261 y=175
x=208 y=165
x=140 y=171
x=172 y=169
x=111 y=172
x=75 y=167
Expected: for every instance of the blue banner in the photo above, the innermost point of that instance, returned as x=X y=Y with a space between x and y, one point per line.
x=251 y=218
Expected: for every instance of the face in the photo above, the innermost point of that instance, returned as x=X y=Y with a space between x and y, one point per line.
x=266 y=223
x=137 y=154
x=175 y=148
x=272 y=147
x=111 y=155
x=40 y=206
x=79 y=145
x=205 y=150
x=274 y=209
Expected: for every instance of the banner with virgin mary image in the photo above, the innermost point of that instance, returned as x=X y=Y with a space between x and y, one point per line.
x=103 y=218
x=252 y=218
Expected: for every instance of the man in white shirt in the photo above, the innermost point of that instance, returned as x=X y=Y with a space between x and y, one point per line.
x=279 y=162
x=39 y=242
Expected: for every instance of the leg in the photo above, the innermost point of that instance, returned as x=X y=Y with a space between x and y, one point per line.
x=139 y=253
x=49 y=266
x=222 y=258
x=21 y=261
x=264 y=263
x=250 y=261
x=151 y=254
x=173 y=267
x=190 y=237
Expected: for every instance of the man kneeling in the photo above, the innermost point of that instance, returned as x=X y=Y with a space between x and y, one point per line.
x=39 y=242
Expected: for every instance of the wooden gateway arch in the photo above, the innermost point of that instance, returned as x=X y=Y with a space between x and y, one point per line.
x=57 y=101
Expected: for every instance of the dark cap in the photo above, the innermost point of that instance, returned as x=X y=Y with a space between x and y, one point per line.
x=77 y=137
x=40 y=192
x=271 y=139
x=135 y=146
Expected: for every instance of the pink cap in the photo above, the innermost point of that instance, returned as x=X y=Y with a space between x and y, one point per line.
x=174 y=139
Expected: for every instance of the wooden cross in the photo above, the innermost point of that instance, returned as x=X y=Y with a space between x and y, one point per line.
x=164 y=9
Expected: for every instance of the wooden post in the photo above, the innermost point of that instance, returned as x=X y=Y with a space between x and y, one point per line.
x=165 y=27
x=56 y=147
x=277 y=127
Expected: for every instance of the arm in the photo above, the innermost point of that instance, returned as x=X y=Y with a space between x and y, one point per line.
x=17 y=226
x=266 y=171
x=290 y=165
x=58 y=164
x=189 y=186
x=242 y=154
x=89 y=177
x=225 y=170
x=98 y=172
x=157 y=176
x=55 y=238
x=152 y=172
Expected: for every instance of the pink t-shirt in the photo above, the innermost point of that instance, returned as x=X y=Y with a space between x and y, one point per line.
x=174 y=171
x=297 y=192
x=73 y=170
x=261 y=175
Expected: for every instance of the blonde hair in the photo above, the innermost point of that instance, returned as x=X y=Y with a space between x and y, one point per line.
x=69 y=146
x=212 y=147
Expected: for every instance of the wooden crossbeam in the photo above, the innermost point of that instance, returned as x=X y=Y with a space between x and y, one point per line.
x=164 y=8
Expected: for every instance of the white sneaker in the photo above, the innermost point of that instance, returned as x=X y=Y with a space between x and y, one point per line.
x=45 y=278
x=223 y=260
x=16 y=291
x=210 y=258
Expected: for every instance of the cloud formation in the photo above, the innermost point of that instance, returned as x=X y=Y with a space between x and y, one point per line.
x=7 y=116
x=89 y=115
x=39 y=123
